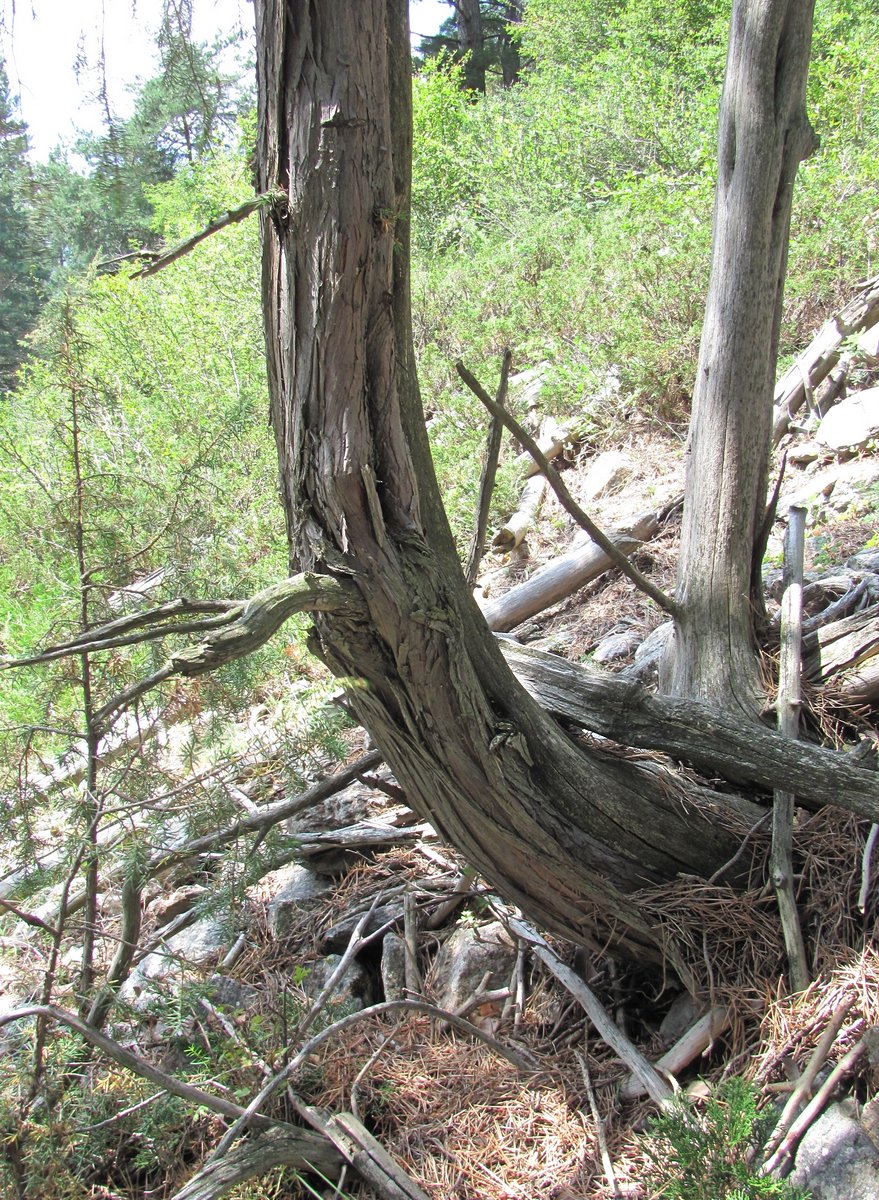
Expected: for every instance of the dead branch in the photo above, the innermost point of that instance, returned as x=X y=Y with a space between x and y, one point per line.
x=260 y=822
x=714 y=741
x=788 y=705
x=564 y=575
x=804 y=1085
x=513 y=530
x=487 y=478
x=116 y=633
x=843 y=1068
x=260 y=618
x=694 y=1042
x=605 y=1026
x=155 y=261
x=564 y=496
x=260 y=1154
x=598 y=1121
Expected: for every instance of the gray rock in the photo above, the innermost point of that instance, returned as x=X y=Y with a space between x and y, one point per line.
x=803 y=453
x=683 y=1014
x=607 y=473
x=229 y=993
x=466 y=957
x=836 y=1160
x=393 y=967
x=351 y=992
x=616 y=645
x=338 y=936
x=179 y=958
x=301 y=889
x=648 y=654
x=852 y=422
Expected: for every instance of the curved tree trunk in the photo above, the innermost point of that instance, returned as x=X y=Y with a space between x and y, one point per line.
x=764 y=134
x=567 y=836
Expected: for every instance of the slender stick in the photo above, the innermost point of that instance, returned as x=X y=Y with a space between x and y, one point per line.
x=606 y=1160
x=656 y=1087
x=489 y=471
x=804 y=1083
x=789 y=701
x=811 y=1111
x=154 y=261
x=566 y=500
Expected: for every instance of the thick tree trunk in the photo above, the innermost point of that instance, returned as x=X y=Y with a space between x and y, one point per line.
x=566 y=836
x=764 y=134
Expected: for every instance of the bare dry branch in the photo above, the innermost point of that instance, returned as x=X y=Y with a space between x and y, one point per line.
x=566 y=500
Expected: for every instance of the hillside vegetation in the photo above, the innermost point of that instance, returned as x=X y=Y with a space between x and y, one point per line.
x=567 y=218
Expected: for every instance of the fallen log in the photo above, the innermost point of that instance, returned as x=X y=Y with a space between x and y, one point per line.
x=822 y=354
x=716 y=742
x=513 y=531
x=845 y=654
x=564 y=575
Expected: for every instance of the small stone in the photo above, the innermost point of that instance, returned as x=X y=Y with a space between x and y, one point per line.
x=466 y=957
x=393 y=967
x=616 y=645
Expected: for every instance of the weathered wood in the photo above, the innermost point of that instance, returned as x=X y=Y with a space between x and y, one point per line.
x=846 y=654
x=788 y=706
x=550 y=443
x=514 y=529
x=763 y=135
x=371 y=1161
x=565 y=499
x=564 y=575
x=822 y=354
x=694 y=1042
x=263 y=1152
x=569 y=836
x=487 y=478
x=715 y=741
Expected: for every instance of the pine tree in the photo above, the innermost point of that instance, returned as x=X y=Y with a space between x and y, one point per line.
x=22 y=270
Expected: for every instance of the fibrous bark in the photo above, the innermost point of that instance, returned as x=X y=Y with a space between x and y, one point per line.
x=566 y=835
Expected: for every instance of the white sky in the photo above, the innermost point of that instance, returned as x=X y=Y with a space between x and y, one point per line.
x=52 y=50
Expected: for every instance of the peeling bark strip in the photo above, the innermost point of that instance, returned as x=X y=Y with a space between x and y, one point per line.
x=764 y=134
x=566 y=835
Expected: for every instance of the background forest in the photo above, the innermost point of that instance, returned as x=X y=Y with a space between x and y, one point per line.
x=565 y=215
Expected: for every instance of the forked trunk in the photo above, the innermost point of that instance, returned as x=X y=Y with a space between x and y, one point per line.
x=568 y=835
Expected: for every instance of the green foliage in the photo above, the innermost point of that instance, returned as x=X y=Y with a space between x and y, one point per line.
x=185 y=115
x=705 y=1154
x=569 y=217
x=22 y=269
